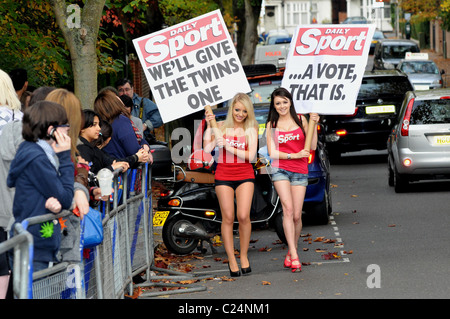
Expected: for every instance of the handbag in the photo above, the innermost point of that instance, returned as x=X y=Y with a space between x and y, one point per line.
x=93 y=228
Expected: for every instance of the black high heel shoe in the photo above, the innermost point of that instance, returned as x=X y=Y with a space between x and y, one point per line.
x=234 y=273
x=246 y=271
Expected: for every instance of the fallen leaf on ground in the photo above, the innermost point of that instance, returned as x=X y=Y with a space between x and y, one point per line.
x=331 y=255
x=266 y=283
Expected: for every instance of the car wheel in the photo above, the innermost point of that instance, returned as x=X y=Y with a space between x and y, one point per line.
x=278 y=225
x=177 y=244
x=318 y=213
x=390 y=174
x=400 y=182
x=334 y=156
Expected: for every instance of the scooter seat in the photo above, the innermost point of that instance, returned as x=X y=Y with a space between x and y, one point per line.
x=196 y=177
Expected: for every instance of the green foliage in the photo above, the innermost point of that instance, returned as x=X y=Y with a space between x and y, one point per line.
x=444 y=14
x=32 y=40
x=177 y=11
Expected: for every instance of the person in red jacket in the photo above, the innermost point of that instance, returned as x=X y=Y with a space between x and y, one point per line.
x=237 y=139
x=285 y=135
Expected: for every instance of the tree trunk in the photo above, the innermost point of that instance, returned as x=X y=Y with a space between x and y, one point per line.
x=250 y=34
x=82 y=43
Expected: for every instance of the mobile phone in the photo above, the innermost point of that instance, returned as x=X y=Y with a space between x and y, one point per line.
x=52 y=134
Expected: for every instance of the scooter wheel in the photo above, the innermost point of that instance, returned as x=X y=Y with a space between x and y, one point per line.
x=177 y=244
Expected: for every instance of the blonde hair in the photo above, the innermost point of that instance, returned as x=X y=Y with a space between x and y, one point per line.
x=8 y=95
x=72 y=105
x=250 y=123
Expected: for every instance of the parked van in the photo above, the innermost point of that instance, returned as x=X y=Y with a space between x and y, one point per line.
x=389 y=52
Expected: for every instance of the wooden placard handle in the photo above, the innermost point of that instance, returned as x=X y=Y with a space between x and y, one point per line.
x=213 y=123
x=309 y=135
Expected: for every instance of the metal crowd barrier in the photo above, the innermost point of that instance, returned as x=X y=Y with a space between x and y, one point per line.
x=107 y=270
x=22 y=245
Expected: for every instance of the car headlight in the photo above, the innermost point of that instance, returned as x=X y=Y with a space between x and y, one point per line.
x=330 y=138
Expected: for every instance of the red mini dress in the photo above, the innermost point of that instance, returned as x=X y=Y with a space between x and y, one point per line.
x=291 y=142
x=229 y=166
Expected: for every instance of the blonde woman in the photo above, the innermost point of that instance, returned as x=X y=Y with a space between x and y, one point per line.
x=9 y=101
x=237 y=139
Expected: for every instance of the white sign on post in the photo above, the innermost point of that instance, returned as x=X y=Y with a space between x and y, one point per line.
x=191 y=65
x=325 y=67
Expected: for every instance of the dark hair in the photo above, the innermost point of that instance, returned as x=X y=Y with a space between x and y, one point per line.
x=273 y=115
x=40 y=94
x=18 y=77
x=127 y=101
x=122 y=82
x=108 y=106
x=106 y=132
x=89 y=116
x=38 y=117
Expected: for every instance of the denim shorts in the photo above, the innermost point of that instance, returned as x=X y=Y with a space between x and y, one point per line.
x=296 y=179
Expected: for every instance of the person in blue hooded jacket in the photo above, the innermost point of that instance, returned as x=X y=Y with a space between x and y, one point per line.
x=43 y=174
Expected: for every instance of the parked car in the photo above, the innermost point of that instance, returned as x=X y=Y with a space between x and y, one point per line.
x=355 y=20
x=389 y=52
x=419 y=144
x=274 y=35
x=377 y=36
x=424 y=74
x=377 y=106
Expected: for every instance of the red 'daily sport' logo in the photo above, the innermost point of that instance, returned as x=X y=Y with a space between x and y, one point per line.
x=331 y=41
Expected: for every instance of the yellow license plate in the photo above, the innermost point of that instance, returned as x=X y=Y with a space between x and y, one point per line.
x=379 y=109
x=442 y=140
x=261 y=128
x=159 y=218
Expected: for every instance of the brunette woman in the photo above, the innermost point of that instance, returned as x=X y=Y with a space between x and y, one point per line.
x=126 y=139
x=237 y=138
x=285 y=142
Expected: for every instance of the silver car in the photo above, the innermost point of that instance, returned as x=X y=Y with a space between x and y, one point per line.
x=423 y=74
x=419 y=144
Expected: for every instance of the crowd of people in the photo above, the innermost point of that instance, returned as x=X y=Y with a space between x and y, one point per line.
x=50 y=148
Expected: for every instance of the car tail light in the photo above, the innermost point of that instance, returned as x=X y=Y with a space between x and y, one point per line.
x=445 y=98
x=354 y=113
x=341 y=132
x=406 y=118
x=165 y=193
x=311 y=156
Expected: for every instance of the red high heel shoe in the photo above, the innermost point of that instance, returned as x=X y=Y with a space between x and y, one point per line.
x=296 y=268
x=287 y=263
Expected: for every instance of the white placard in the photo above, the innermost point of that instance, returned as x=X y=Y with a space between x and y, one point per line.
x=325 y=67
x=191 y=65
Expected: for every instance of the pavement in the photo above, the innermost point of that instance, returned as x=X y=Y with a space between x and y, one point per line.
x=442 y=63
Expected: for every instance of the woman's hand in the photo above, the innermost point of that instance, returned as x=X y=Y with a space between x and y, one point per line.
x=81 y=202
x=62 y=142
x=314 y=116
x=209 y=117
x=97 y=193
x=301 y=154
x=123 y=165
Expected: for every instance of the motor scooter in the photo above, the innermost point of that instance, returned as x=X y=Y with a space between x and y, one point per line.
x=191 y=215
